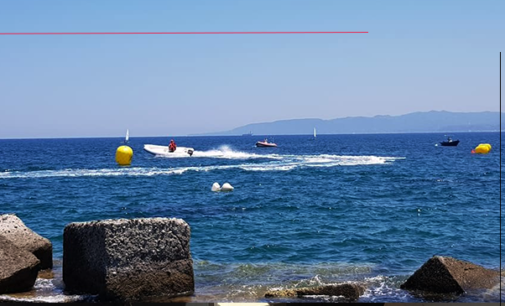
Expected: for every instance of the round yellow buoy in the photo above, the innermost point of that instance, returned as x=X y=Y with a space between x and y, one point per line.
x=482 y=148
x=124 y=155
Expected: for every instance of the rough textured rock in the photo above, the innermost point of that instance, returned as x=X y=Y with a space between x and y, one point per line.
x=128 y=259
x=24 y=238
x=449 y=275
x=350 y=291
x=18 y=268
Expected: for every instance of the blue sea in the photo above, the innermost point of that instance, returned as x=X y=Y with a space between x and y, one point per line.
x=370 y=208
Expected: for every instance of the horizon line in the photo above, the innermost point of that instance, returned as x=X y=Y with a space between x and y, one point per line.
x=240 y=135
x=182 y=33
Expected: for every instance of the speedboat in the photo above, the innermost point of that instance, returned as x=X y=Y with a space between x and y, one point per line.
x=163 y=151
x=449 y=143
x=265 y=143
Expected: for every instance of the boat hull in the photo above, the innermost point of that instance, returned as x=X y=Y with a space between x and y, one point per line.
x=163 y=151
x=449 y=143
x=265 y=145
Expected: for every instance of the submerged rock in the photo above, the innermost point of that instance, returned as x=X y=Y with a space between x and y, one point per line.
x=128 y=259
x=449 y=275
x=18 y=268
x=350 y=291
x=24 y=238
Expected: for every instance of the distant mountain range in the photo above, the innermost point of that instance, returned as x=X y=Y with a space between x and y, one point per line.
x=418 y=122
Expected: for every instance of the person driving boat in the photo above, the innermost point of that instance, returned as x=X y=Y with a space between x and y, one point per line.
x=172 y=146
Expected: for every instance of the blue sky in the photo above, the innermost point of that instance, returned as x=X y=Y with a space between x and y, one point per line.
x=418 y=56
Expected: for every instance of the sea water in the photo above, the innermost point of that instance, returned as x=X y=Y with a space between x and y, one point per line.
x=370 y=208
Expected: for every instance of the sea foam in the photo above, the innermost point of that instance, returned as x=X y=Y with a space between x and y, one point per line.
x=274 y=162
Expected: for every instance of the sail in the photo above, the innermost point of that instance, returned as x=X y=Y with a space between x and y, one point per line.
x=314 y=132
x=127 y=135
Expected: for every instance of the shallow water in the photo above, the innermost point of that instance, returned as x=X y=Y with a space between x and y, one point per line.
x=370 y=208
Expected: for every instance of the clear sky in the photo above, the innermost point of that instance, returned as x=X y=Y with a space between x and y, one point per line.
x=417 y=56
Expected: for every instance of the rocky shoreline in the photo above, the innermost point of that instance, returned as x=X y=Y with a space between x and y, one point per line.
x=150 y=260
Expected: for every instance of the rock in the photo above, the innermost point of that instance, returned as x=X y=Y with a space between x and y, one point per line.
x=24 y=238
x=18 y=268
x=128 y=259
x=350 y=291
x=449 y=275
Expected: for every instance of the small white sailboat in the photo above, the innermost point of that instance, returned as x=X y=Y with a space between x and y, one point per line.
x=314 y=133
x=127 y=136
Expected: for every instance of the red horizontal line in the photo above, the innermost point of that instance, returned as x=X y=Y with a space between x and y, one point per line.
x=165 y=33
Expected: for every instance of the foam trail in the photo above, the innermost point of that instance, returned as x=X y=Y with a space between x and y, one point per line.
x=45 y=291
x=226 y=152
x=284 y=163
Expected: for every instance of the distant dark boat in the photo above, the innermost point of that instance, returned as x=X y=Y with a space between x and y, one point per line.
x=265 y=144
x=248 y=134
x=449 y=143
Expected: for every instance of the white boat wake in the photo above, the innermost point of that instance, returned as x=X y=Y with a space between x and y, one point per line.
x=225 y=152
x=280 y=163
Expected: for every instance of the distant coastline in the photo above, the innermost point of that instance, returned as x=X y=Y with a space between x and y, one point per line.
x=412 y=123
x=164 y=137
x=417 y=122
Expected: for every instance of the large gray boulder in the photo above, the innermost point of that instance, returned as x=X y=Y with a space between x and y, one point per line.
x=350 y=291
x=24 y=238
x=18 y=268
x=449 y=275
x=125 y=259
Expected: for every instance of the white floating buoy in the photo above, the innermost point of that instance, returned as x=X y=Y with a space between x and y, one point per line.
x=227 y=187
x=216 y=187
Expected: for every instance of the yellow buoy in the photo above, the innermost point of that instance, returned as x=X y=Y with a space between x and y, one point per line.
x=124 y=155
x=482 y=148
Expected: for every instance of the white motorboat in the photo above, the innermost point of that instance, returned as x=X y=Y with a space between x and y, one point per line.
x=163 y=151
